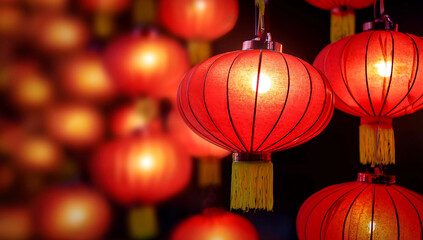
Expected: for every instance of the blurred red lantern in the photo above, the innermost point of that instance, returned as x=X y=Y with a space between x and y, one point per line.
x=11 y=22
x=215 y=224
x=141 y=169
x=210 y=155
x=56 y=34
x=104 y=11
x=254 y=102
x=72 y=213
x=16 y=223
x=149 y=66
x=48 y=5
x=10 y=133
x=75 y=125
x=7 y=177
x=199 y=21
x=134 y=117
x=371 y=208
x=342 y=15
x=30 y=89
x=375 y=75
x=84 y=77
x=38 y=154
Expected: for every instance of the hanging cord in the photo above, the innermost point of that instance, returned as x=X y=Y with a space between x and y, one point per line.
x=260 y=30
x=381 y=17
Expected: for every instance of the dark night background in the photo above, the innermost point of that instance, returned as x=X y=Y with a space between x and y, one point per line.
x=330 y=158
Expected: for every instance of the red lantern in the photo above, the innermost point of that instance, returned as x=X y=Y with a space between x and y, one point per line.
x=134 y=117
x=149 y=66
x=375 y=75
x=342 y=22
x=215 y=224
x=104 y=11
x=75 y=125
x=209 y=172
x=199 y=21
x=58 y=34
x=48 y=5
x=254 y=102
x=38 y=153
x=73 y=213
x=11 y=22
x=371 y=208
x=141 y=169
x=84 y=77
x=30 y=89
x=16 y=223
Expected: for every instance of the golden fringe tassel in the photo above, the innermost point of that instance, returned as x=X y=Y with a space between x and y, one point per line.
x=143 y=223
x=252 y=185
x=144 y=12
x=198 y=51
x=386 y=147
x=103 y=25
x=342 y=24
x=209 y=172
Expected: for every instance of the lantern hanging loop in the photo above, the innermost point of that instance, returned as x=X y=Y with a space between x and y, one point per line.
x=260 y=22
x=382 y=20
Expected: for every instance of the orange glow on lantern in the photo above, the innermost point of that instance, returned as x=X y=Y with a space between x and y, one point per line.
x=84 y=77
x=150 y=66
x=38 y=153
x=215 y=224
x=75 y=213
x=59 y=34
x=134 y=117
x=16 y=223
x=11 y=21
x=75 y=125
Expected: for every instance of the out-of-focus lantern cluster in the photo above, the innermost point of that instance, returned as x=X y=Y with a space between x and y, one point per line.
x=72 y=213
x=75 y=125
x=149 y=66
x=199 y=21
x=215 y=224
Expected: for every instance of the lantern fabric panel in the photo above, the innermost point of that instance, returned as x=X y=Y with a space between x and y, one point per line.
x=141 y=169
x=361 y=211
x=149 y=66
x=215 y=224
x=199 y=19
x=250 y=121
x=375 y=73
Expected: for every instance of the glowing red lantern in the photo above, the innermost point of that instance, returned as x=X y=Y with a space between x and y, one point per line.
x=16 y=223
x=342 y=15
x=141 y=169
x=215 y=224
x=38 y=153
x=375 y=75
x=253 y=102
x=72 y=213
x=134 y=117
x=104 y=10
x=371 y=208
x=30 y=89
x=75 y=125
x=209 y=172
x=149 y=66
x=84 y=77
x=199 y=21
x=11 y=22
x=59 y=34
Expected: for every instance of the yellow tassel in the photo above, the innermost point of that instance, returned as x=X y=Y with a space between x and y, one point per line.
x=342 y=24
x=385 y=152
x=252 y=185
x=209 y=172
x=198 y=51
x=143 y=223
x=103 y=25
x=144 y=12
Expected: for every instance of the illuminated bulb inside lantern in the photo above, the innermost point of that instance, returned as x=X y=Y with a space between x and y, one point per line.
x=145 y=163
x=216 y=238
x=200 y=5
x=372 y=228
x=384 y=68
x=264 y=83
x=76 y=214
x=64 y=32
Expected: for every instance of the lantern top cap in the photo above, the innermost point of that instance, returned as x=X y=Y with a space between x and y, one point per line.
x=262 y=43
x=378 y=178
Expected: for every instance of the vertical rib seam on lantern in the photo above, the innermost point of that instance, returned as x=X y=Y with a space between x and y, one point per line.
x=396 y=211
x=390 y=78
